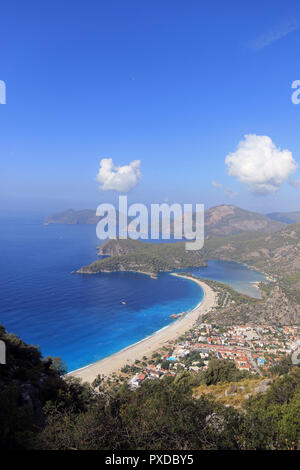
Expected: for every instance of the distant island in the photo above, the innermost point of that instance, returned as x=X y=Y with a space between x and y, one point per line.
x=72 y=217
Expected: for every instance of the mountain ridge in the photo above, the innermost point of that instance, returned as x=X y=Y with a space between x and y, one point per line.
x=286 y=217
x=219 y=220
x=229 y=220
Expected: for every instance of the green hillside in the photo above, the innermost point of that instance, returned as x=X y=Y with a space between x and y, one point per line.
x=40 y=410
x=131 y=255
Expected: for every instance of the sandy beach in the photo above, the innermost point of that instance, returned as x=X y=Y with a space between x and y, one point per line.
x=149 y=345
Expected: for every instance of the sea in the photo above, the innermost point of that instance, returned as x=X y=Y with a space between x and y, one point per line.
x=84 y=318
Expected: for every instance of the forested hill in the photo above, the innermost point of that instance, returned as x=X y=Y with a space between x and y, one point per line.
x=40 y=410
x=277 y=254
x=133 y=255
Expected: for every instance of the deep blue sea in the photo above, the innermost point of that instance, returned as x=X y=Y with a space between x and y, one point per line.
x=81 y=318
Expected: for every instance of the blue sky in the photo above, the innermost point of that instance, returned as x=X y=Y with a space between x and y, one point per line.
x=173 y=84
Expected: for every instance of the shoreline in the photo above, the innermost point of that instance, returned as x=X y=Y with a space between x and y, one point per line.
x=150 y=344
x=151 y=275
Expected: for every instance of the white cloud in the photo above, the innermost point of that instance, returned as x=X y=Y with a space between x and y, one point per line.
x=259 y=164
x=118 y=178
x=215 y=184
x=228 y=191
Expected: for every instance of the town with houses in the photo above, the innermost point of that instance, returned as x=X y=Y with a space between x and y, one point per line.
x=253 y=348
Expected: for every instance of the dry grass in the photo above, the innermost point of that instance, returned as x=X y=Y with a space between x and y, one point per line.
x=230 y=394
